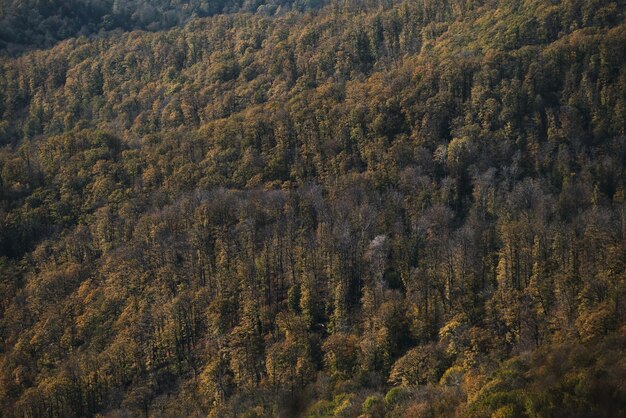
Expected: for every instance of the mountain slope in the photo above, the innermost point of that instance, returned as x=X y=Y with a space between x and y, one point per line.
x=371 y=208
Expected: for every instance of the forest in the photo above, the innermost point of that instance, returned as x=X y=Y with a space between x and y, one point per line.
x=343 y=208
x=25 y=24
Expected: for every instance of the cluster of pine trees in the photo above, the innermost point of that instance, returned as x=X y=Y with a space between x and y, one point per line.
x=370 y=209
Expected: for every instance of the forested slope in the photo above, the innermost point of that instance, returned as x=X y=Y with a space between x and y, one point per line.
x=401 y=208
x=25 y=24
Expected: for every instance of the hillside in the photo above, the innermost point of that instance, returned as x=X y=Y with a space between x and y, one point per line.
x=25 y=24
x=379 y=208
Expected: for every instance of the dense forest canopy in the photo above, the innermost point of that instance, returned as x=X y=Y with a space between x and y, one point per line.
x=35 y=23
x=345 y=208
